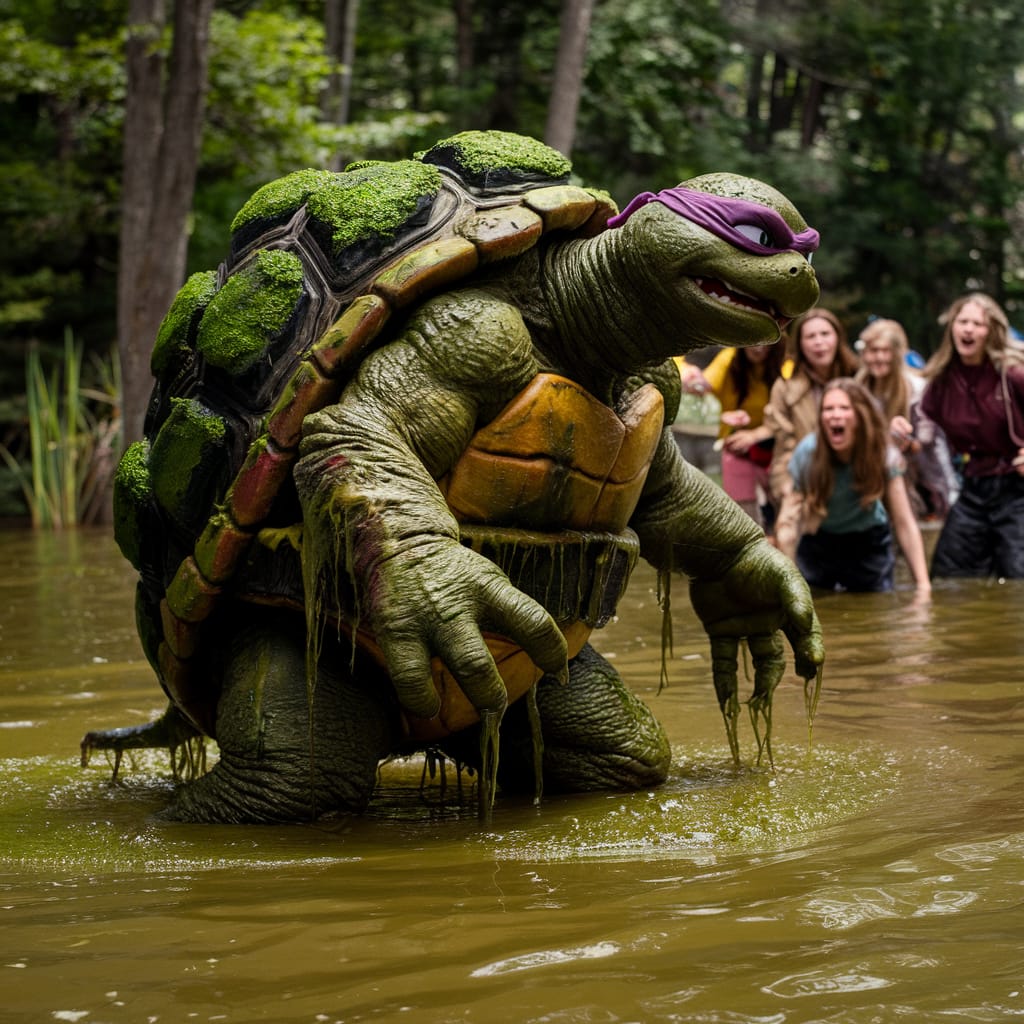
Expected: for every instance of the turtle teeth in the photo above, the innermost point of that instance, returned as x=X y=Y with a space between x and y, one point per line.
x=730 y=296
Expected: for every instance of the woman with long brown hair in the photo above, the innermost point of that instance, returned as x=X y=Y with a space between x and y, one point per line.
x=820 y=353
x=849 y=497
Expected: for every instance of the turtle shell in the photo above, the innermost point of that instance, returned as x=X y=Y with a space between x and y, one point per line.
x=321 y=268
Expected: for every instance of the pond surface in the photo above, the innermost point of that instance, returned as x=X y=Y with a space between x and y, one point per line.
x=876 y=875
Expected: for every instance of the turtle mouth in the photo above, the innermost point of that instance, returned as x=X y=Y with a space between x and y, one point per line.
x=728 y=295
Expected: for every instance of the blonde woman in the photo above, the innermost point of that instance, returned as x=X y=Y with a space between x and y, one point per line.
x=975 y=393
x=931 y=479
x=849 y=497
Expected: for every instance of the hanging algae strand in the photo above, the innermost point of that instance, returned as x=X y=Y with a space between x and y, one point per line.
x=537 y=738
x=488 y=780
x=812 y=691
x=665 y=603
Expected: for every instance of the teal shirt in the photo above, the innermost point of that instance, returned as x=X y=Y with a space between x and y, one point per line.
x=843 y=513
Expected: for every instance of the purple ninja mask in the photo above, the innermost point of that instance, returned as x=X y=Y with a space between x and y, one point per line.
x=744 y=224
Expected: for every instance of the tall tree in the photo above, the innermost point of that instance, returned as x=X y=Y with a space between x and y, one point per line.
x=340 y=20
x=560 y=131
x=163 y=122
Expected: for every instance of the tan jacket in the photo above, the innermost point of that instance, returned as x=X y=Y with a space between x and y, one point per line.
x=791 y=414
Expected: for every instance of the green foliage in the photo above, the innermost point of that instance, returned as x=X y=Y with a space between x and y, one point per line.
x=72 y=438
x=651 y=109
x=924 y=154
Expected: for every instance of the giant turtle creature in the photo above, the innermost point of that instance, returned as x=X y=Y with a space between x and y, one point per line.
x=404 y=449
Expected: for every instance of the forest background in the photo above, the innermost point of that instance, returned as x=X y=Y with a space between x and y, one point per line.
x=131 y=131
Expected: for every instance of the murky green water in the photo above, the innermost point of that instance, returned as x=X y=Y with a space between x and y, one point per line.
x=877 y=876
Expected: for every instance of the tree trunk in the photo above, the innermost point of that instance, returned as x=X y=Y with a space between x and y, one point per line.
x=564 y=102
x=163 y=124
x=341 y=18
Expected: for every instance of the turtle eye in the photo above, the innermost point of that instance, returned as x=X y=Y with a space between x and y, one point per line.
x=755 y=233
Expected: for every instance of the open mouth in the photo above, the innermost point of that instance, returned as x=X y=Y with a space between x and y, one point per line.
x=721 y=292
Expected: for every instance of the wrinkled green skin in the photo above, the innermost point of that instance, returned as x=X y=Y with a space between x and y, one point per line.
x=601 y=311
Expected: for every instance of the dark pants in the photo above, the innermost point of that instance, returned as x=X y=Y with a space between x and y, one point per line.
x=984 y=531
x=862 y=561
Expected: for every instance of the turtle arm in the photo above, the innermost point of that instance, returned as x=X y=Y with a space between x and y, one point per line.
x=686 y=522
x=740 y=586
x=377 y=529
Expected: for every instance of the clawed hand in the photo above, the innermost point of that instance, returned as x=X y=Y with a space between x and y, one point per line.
x=760 y=597
x=434 y=600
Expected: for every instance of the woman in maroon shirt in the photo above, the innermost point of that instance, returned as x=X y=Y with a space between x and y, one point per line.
x=976 y=394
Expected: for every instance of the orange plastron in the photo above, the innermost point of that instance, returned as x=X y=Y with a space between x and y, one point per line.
x=556 y=458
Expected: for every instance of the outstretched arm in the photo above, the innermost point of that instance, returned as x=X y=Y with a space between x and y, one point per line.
x=740 y=586
x=376 y=521
x=908 y=533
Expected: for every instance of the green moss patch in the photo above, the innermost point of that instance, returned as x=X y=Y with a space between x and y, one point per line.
x=372 y=202
x=250 y=311
x=281 y=198
x=484 y=158
x=173 y=339
x=187 y=459
x=132 y=491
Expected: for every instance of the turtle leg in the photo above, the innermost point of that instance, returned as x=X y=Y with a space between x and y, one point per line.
x=596 y=735
x=289 y=752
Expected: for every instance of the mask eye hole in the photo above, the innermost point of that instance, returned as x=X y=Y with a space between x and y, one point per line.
x=755 y=233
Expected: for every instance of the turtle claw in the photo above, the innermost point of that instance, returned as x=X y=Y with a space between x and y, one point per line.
x=724 y=670
x=769 y=659
x=171 y=731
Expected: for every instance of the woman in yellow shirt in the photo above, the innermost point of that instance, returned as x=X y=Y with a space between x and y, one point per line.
x=741 y=379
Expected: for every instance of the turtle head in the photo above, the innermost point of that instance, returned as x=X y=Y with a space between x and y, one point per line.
x=728 y=258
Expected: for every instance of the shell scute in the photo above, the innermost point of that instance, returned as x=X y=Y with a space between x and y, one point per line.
x=503 y=233
x=254 y=489
x=220 y=547
x=190 y=596
x=308 y=389
x=348 y=336
x=425 y=270
x=562 y=207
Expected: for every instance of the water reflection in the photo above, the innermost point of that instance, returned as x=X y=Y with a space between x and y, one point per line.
x=873 y=876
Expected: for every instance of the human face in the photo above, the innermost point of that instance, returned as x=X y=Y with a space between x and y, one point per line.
x=878 y=359
x=818 y=343
x=839 y=421
x=757 y=353
x=970 y=331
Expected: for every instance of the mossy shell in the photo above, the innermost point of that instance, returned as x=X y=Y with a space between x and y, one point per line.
x=321 y=269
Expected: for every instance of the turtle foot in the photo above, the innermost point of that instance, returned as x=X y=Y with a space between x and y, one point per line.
x=171 y=731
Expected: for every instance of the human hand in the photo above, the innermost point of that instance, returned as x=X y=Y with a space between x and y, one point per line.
x=1018 y=463
x=902 y=432
x=739 y=442
x=736 y=418
x=693 y=381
